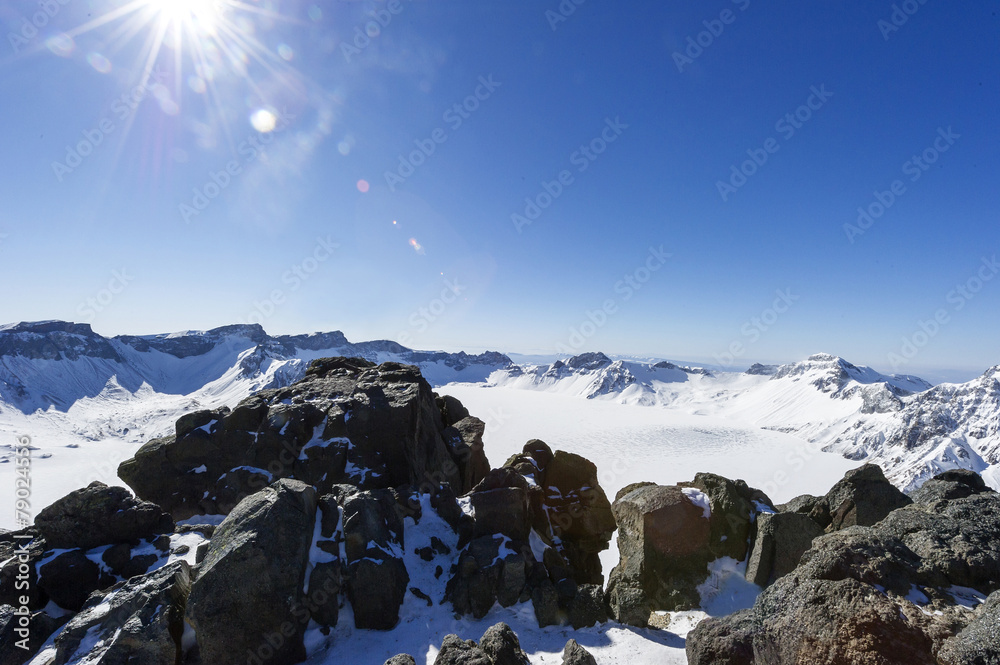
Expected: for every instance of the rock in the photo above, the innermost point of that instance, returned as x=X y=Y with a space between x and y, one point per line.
x=21 y=548
x=979 y=642
x=955 y=484
x=587 y=606
x=667 y=536
x=21 y=642
x=501 y=645
x=100 y=515
x=451 y=409
x=401 y=659
x=663 y=540
x=456 y=651
x=863 y=497
x=879 y=594
x=348 y=421
x=473 y=587
x=545 y=601
x=803 y=504
x=574 y=654
x=376 y=575
x=69 y=578
x=633 y=486
x=465 y=439
x=247 y=599
x=580 y=518
x=502 y=511
x=139 y=621
x=781 y=540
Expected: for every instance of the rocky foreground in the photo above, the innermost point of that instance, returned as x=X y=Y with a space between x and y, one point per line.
x=290 y=513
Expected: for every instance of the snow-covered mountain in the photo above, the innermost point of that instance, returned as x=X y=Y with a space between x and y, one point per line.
x=56 y=364
x=910 y=428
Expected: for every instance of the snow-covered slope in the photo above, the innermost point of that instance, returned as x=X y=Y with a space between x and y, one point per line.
x=913 y=430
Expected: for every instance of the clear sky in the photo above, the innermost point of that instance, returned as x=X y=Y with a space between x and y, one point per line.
x=520 y=176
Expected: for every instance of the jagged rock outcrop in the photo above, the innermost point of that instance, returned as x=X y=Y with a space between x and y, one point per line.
x=780 y=541
x=498 y=646
x=574 y=654
x=348 y=421
x=139 y=621
x=667 y=536
x=100 y=515
x=249 y=588
x=534 y=530
x=888 y=593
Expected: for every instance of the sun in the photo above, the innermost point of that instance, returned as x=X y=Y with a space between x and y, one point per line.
x=196 y=14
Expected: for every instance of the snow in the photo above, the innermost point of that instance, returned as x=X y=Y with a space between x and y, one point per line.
x=699 y=499
x=727 y=590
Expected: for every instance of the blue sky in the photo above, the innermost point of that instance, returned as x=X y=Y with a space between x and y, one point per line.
x=762 y=270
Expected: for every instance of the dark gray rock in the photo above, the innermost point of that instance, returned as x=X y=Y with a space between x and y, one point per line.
x=376 y=575
x=139 y=621
x=456 y=651
x=666 y=542
x=401 y=659
x=956 y=484
x=587 y=606
x=20 y=642
x=880 y=594
x=781 y=540
x=248 y=596
x=580 y=520
x=347 y=421
x=979 y=642
x=501 y=645
x=69 y=578
x=863 y=497
x=100 y=515
x=20 y=553
x=574 y=654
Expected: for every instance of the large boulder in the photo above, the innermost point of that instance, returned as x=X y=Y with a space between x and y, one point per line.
x=100 y=515
x=248 y=596
x=376 y=575
x=667 y=536
x=139 y=621
x=574 y=654
x=954 y=484
x=781 y=540
x=890 y=593
x=348 y=421
x=863 y=497
x=502 y=646
x=580 y=519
